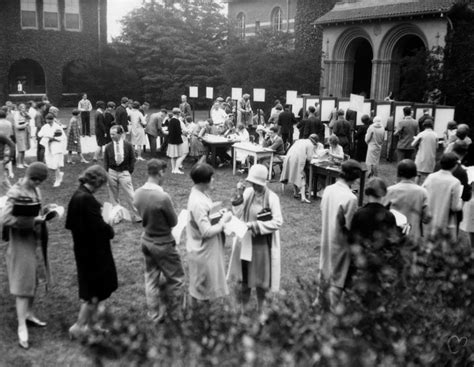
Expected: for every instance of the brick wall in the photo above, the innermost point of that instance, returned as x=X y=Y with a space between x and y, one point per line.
x=261 y=10
x=52 y=49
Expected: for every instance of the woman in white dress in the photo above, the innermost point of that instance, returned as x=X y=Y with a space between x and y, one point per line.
x=137 y=129
x=53 y=139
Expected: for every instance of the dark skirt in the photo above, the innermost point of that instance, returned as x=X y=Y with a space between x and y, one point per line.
x=96 y=272
x=257 y=273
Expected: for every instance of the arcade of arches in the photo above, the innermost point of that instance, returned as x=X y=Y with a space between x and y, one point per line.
x=368 y=59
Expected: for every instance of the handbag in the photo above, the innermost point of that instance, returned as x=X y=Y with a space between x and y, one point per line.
x=266 y=213
x=25 y=206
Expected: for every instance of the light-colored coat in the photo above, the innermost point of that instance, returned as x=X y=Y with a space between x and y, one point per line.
x=374 y=139
x=444 y=197
x=22 y=260
x=272 y=226
x=338 y=207
x=205 y=247
x=427 y=142
x=412 y=201
x=296 y=157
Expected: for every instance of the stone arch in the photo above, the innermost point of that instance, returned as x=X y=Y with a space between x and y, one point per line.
x=30 y=73
x=347 y=53
x=395 y=34
x=345 y=39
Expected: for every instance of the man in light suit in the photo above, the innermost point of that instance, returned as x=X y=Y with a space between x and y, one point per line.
x=119 y=162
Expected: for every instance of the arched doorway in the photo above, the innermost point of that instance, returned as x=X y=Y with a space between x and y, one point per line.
x=408 y=71
x=31 y=76
x=358 y=71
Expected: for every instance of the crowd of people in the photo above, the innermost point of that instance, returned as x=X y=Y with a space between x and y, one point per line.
x=121 y=134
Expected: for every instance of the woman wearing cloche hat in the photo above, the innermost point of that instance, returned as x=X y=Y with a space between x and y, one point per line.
x=255 y=260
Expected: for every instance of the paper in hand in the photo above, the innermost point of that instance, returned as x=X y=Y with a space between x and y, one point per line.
x=235 y=227
x=177 y=230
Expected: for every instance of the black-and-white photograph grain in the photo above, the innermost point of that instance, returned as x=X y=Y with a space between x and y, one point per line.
x=254 y=183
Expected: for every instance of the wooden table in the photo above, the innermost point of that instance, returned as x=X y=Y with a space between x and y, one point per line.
x=256 y=151
x=333 y=172
x=216 y=141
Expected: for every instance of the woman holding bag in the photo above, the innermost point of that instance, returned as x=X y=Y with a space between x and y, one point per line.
x=22 y=223
x=255 y=260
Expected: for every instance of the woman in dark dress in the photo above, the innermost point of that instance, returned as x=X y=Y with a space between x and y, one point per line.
x=360 y=144
x=101 y=131
x=96 y=271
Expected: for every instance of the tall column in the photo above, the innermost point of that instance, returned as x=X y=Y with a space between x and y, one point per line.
x=337 y=78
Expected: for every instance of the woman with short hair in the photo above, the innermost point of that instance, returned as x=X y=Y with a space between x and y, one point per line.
x=205 y=238
x=53 y=139
x=96 y=271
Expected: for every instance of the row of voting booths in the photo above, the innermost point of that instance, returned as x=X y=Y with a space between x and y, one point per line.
x=389 y=112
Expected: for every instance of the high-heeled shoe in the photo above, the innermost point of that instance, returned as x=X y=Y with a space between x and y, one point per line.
x=23 y=337
x=306 y=201
x=34 y=321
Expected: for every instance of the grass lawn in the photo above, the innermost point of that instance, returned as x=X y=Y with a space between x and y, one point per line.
x=51 y=346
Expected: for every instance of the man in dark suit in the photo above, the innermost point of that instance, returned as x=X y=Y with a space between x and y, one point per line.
x=286 y=120
x=313 y=125
x=119 y=162
x=121 y=115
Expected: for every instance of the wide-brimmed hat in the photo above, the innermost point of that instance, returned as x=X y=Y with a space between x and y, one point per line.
x=258 y=174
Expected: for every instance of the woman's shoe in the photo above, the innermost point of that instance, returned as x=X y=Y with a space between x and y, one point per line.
x=34 y=321
x=76 y=331
x=23 y=337
x=306 y=201
x=84 y=161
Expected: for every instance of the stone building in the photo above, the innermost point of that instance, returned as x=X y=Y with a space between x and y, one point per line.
x=252 y=15
x=364 y=41
x=41 y=42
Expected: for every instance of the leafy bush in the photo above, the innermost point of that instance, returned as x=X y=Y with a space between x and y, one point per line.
x=407 y=306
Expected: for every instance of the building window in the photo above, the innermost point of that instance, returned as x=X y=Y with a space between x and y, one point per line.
x=72 y=18
x=241 y=25
x=277 y=19
x=50 y=14
x=28 y=14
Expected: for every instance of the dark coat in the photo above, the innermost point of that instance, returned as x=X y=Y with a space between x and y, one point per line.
x=360 y=144
x=96 y=271
x=101 y=131
x=286 y=120
x=129 y=158
x=121 y=117
x=174 y=132
x=313 y=125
